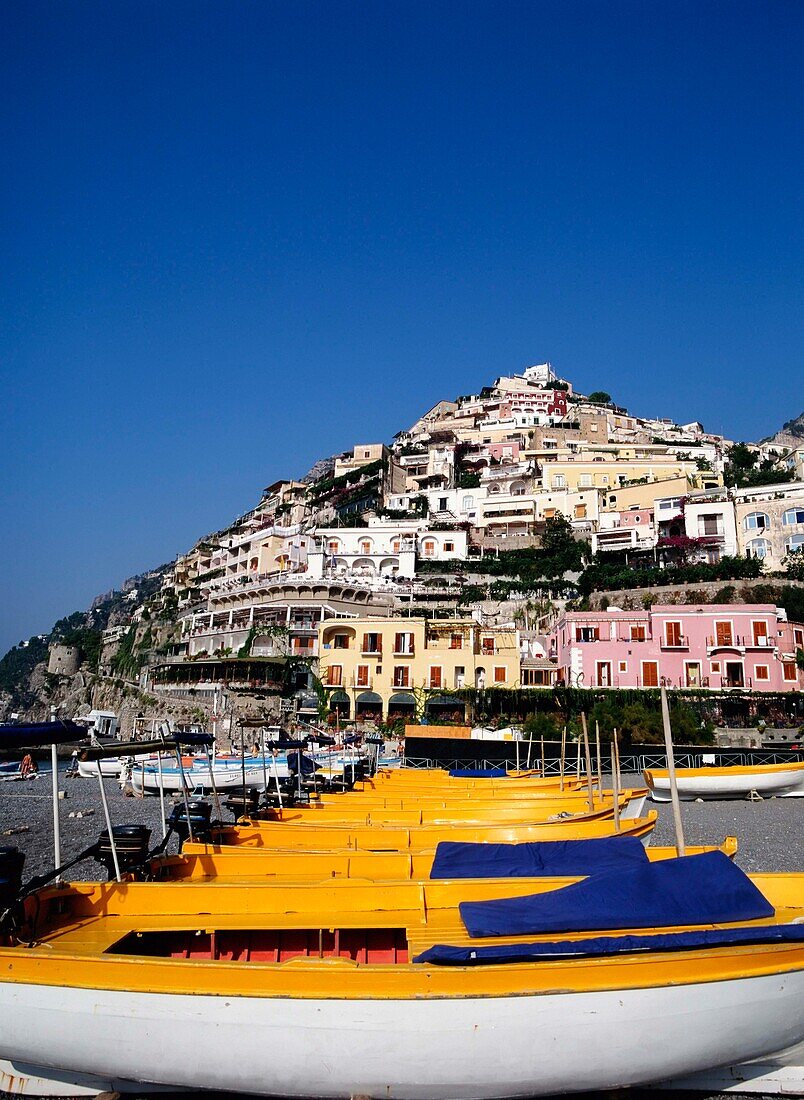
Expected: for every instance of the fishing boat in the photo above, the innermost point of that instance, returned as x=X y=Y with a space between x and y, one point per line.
x=734 y=781
x=338 y=989
x=197 y=778
x=255 y=833
x=564 y=807
x=199 y=860
x=445 y=798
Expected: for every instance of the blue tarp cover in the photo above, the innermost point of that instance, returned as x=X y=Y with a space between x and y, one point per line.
x=444 y=955
x=40 y=733
x=702 y=889
x=541 y=857
x=479 y=773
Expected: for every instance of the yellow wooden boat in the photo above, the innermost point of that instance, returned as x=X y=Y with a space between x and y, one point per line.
x=387 y=838
x=219 y=861
x=457 y=812
x=343 y=989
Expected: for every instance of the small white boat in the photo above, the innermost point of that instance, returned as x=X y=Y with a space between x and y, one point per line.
x=145 y=779
x=767 y=780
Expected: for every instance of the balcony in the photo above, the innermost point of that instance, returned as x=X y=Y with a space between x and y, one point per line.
x=675 y=643
x=740 y=643
x=404 y=652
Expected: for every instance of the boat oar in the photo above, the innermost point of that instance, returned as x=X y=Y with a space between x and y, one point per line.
x=671 y=774
x=561 y=761
x=599 y=763
x=588 y=757
x=161 y=794
x=615 y=779
x=109 y=829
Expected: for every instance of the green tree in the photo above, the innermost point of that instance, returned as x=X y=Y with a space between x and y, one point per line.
x=600 y=397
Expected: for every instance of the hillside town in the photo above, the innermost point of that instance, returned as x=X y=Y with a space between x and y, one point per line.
x=520 y=539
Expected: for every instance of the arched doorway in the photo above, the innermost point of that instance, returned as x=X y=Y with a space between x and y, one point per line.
x=368 y=706
x=401 y=705
x=340 y=703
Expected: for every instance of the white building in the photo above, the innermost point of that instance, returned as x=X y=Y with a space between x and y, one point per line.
x=382 y=549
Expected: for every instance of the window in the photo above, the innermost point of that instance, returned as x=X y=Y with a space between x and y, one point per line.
x=456 y=641
x=710 y=525
x=638 y=632
x=672 y=634
x=499 y=674
x=587 y=633
x=758 y=548
x=559 y=481
x=622 y=666
x=723 y=634
x=793 y=516
x=435 y=676
x=401 y=676
x=487 y=645
x=535 y=677
x=372 y=643
x=794 y=544
x=449 y=547
x=396 y=546
x=759 y=631
x=585 y=481
x=428 y=548
x=333 y=546
x=340 y=641
x=403 y=644
x=789 y=671
x=362 y=678
x=467 y=504
x=756 y=521
x=335 y=675
x=715 y=666
x=762 y=672
x=650 y=674
x=798 y=639
x=442 y=504
x=365 y=546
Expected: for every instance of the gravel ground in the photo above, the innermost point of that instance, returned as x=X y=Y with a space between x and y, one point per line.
x=769 y=833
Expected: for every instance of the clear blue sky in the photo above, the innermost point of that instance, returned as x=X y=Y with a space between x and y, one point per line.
x=238 y=236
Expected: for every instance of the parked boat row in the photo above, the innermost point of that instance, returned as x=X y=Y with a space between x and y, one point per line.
x=417 y=935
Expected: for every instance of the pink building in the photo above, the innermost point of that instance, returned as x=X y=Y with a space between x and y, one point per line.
x=711 y=646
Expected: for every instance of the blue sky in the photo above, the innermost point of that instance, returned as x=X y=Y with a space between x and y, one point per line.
x=238 y=236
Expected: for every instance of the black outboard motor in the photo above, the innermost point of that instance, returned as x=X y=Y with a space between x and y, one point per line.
x=243 y=806
x=131 y=843
x=198 y=820
x=11 y=863
x=353 y=771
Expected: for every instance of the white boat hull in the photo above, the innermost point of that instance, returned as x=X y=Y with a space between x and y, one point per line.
x=777 y=784
x=780 y=1074
x=450 y=1048
x=146 y=781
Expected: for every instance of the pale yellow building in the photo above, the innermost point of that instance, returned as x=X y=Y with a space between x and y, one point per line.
x=363 y=454
x=390 y=667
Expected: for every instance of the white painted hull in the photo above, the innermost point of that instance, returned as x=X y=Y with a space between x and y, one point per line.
x=451 y=1048
x=110 y=767
x=778 y=784
x=780 y=1074
x=146 y=781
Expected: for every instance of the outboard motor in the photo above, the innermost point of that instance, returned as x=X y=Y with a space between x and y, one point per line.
x=131 y=843
x=11 y=862
x=353 y=771
x=243 y=806
x=198 y=819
